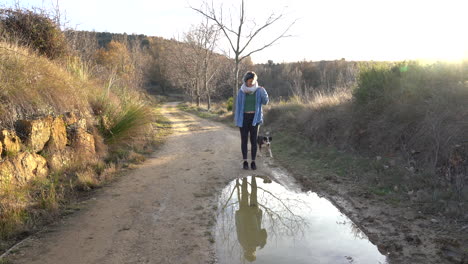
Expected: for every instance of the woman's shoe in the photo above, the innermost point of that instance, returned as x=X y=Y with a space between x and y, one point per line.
x=253 y=166
x=246 y=165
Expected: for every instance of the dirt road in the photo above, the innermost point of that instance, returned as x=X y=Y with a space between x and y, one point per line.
x=161 y=212
x=164 y=210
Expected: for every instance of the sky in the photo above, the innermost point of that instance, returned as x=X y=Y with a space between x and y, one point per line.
x=324 y=29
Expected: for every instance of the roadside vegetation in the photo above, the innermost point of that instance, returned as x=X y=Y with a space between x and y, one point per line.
x=43 y=72
x=398 y=137
x=403 y=124
x=218 y=111
x=408 y=119
x=391 y=131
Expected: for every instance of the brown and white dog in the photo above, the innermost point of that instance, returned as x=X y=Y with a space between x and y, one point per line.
x=265 y=140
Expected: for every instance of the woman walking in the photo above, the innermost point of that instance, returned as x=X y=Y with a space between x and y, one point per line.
x=249 y=115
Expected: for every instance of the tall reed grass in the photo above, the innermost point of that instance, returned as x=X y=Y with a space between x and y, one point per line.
x=127 y=122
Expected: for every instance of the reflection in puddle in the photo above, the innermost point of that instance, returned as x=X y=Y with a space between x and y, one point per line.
x=261 y=221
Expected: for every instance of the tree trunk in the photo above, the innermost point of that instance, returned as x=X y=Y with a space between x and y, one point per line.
x=208 y=99
x=191 y=96
x=162 y=85
x=198 y=92
x=236 y=83
x=208 y=92
x=205 y=85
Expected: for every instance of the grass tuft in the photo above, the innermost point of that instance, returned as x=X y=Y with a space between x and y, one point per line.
x=86 y=179
x=128 y=122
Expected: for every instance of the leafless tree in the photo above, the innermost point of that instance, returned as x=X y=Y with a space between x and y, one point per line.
x=185 y=68
x=85 y=43
x=298 y=86
x=240 y=43
x=202 y=40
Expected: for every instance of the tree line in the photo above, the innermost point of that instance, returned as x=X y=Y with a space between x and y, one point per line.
x=192 y=67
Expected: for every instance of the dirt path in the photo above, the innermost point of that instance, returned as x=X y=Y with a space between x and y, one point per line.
x=161 y=212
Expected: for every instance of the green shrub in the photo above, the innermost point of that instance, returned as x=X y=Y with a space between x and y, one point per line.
x=376 y=83
x=230 y=102
x=413 y=114
x=34 y=29
x=126 y=123
x=382 y=84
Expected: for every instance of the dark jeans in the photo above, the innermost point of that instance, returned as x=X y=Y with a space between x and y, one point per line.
x=244 y=131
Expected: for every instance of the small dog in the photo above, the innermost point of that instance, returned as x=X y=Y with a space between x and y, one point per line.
x=265 y=140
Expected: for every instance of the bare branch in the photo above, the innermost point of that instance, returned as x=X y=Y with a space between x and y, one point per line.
x=283 y=35
x=241 y=23
x=270 y=21
x=213 y=17
x=252 y=30
x=236 y=48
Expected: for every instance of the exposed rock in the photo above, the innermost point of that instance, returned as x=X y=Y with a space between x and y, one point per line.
x=31 y=165
x=6 y=172
x=60 y=159
x=58 y=136
x=34 y=133
x=70 y=118
x=82 y=142
x=10 y=142
x=23 y=168
x=82 y=124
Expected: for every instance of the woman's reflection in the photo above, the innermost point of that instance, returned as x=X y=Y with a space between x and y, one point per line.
x=249 y=220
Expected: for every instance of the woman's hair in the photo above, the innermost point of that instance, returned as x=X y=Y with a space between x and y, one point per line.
x=250 y=75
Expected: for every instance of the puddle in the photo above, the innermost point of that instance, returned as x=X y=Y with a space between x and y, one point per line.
x=274 y=224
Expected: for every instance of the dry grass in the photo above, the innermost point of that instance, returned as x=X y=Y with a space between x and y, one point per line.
x=34 y=85
x=218 y=108
x=323 y=119
x=86 y=179
x=322 y=100
x=102 y=150
x=22 y=207
x=218 y=111
x=108 y=173
x=418 y=128
x=13 y=202
x=136 y=157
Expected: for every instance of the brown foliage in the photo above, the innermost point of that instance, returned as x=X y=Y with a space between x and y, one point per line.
x=115 y=57
x=35 y=30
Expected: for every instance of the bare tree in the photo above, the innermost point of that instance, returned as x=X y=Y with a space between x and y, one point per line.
x=185 y=68
x=238 y=41
x=210 y=37
x=202 y=40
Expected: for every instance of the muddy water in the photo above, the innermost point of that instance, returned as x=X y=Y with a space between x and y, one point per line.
x=262 y=221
